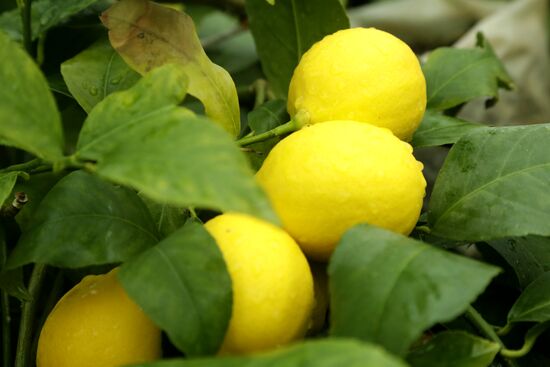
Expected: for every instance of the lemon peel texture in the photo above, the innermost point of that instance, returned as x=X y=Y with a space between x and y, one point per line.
x=272 y=284
x=360 y=74
x=327 y=177
x=96 y=324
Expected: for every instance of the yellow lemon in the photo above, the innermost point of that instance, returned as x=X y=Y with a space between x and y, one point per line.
x=96 y=324
x=360 y=74
x=272 y=284
x=327 y=177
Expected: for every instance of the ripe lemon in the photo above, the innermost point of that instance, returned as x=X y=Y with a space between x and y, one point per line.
x=360 y=74
x=272 y=284
x=327 y=177
x=96 y=324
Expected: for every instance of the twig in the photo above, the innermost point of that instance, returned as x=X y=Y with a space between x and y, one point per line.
x=24 y=167
x=487 y=330
x=28 y=311
x=5 y=309
x=530 y=340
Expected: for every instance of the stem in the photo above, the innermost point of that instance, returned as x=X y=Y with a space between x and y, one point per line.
x=71 y=162
x=19 y=201
x=487 y=330
x=27 y=317
x=194 y=215
x=505 y=330
x=5 y=308
x=25 y=167
x=40 y=50
x=530 y=340
x=55 y=290
x=424 y=229
x=283 y=129
x=482 y=325
x=6 y=328
x=260 y=86
x=25 y=11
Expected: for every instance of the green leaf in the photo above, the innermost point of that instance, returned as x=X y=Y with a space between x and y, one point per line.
x=187 y=272
x=186 y=161
x=264 y=118
x=494 y=184
x=534 y=302
x=285 y=31
x=95 y=73
x=157 y=94
x=36 y=188
x=45 y=15
x=7 y=183
x=12 y=282
x=29 y=119
x=454 y=349
x=455 y=76
x=528 y=256
x=10 y=23
x=148 y=35
x=386 y=288
x=85 y=221
x=140 y=138
x=167 y=218
x=319 y=353
x=438 y=129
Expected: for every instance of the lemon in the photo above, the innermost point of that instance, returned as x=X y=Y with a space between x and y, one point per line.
x=96 y=324
x=327 y=177
x=360 y=74
x=272 y=284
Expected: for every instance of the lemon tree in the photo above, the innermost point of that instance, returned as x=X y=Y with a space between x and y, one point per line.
x=254 y=183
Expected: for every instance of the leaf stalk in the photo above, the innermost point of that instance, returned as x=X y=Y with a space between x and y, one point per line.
x=24 y=167
x=530 y=340
x=300 y=120
x=488 y=331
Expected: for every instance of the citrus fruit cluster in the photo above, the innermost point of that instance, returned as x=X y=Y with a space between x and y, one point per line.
x=362 y=91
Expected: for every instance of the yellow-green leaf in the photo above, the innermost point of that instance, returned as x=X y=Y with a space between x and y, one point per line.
x=148 y=35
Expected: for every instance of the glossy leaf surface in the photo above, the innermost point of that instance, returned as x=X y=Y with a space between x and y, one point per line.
x=85 y=221
x=187 y=272
x=494 y=184
x=387 y=288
